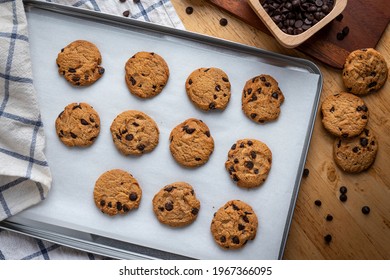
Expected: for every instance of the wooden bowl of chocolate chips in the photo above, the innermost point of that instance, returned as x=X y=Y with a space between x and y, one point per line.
x=292 y=22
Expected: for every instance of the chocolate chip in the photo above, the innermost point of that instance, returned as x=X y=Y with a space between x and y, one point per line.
x=126 y=13
x=194 y=211
x=135 y=124
x=122 y=1
x=223 y=21
x=125 y=208
x=340 y=17
x=236 y=240
x=275 y=95
x=132 y=80
x=253 y=115
x=355 y=149
x=344 y=135
x=91 y=119
x=343 y=189
x=245 y=218
x=212 y=105
x=340 y=36
x=198 y=159
x=206 y=70
x=249 y=164
x=329 y=217
x=364 y=142
x=188 y=130
x=345 y=31
x=328 y=238
x=318 y=202
x=102 y=203
x=169 y=189
x=75 y=78
x=241 y=227
x=74 y=136
x=366 y=210
x=129 y=137
x=119 y=206
x=169 y=206
x=235 y=207
x=343 y=197
x=305 y=172
x=190 y=82
x=140 y=147
x=72 y=70
x=207 y=133
x=189 y=10
x=256 y=171
x=250 y=143
x=84 y=122
x=225 y=79
x=233 y=147
x=372 y=84
x=253 y=154
x=161 y=208
x=109 y=205
x=133 y=196
x=101 y=70
x=222 y=239
x=217 y=87
x=331 y=109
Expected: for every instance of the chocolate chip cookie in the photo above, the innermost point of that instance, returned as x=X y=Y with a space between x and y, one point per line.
x=79 y=62
x=176 y=205
x=147 y=73
x=191 y=143
x=249 y=162
x=234 y=224
x=344 y=114
x=208 y=88
x=78 y=125
x=365 y=71
x=356 y=154
x=134 y=133
x=261 y=99
x=116 y=192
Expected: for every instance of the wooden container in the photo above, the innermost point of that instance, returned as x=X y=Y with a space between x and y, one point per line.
x=292 y=41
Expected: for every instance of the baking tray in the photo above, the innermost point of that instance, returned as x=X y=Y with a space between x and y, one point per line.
x=69 y=217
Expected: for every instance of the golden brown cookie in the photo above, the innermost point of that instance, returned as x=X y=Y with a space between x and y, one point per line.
x=79 y=62
x=191 y=143
x=365 y=71
x=208 y=88
x=234 y=224
x=147 y=73
x=176 y=205
x=134 y=133
x=116 y=192
x=261 y=99
x=78 y=125
x=356 y=154
x=344 y=114
x=249 y=162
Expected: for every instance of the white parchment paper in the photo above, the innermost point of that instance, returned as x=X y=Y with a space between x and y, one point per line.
x=75 y=170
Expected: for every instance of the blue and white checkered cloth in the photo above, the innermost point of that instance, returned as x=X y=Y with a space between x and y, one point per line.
x=25 y=177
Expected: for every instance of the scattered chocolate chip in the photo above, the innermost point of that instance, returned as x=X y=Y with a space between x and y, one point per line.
x=345 y=31
x=343 y=197
x=318 y=202
x=343 y=189
x=189 y=10
x=101 y=70
x=223 y=21
x=305 y=172
x=340 y=36
x=366 y=210
x=328 y=238
x=329 y=217
x=340 y=17
x=126 y=13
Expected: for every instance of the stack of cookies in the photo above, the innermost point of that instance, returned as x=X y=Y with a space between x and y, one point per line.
x=191 y=143
x=345 y=115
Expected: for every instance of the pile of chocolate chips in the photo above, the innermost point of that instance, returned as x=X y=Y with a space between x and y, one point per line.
x=296 y=16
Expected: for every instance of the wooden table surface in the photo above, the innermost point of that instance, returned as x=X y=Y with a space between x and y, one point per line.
x=354 y=235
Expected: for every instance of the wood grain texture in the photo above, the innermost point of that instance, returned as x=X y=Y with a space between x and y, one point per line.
x=355 y=236
x=366 y=19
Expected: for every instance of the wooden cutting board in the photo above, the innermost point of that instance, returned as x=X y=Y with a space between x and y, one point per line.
x=366 y=19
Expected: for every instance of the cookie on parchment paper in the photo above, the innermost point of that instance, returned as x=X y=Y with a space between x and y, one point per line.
x=364 y=71
x=356 y=154
x=234 y=224
x=249 y=162
x=117 y=192
x=191 y=143
x=78 y=125
x=176 y=204
x=79 y=62
x=147 y=73
x=208 y=88
x=134 y=133
x=344 y=114
x=261 y=99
